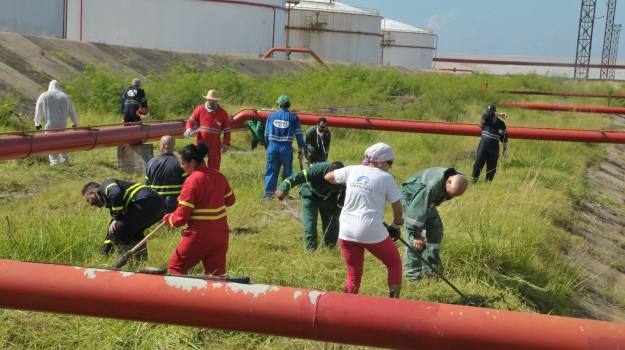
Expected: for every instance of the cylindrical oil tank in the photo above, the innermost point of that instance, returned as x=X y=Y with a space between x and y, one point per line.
x=334 y=31
x=407 y=46
x=246 y=27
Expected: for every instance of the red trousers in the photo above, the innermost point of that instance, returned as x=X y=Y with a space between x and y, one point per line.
x=209 y=247
x=354 y=255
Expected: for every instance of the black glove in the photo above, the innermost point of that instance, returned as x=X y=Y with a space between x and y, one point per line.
x=107 y=248
x=38 y=127
x=395 y=233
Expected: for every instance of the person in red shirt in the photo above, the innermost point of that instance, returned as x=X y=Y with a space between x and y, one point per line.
x=202 y=206
x=208 y=122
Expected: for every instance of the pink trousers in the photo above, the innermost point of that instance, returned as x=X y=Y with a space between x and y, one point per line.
x=354 y=255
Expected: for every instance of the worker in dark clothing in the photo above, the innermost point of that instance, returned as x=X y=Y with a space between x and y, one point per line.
x=493 y=132
x=317 y=141
x=134 y=99
x=319 y=197
x=134 y=208
x=164 y=174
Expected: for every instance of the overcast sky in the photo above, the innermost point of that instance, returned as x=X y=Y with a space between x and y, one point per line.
x=522 y=28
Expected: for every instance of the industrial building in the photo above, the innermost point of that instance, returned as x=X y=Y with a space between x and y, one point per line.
x=333 y=31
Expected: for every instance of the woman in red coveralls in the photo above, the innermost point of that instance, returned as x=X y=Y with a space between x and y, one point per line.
x=202 y=206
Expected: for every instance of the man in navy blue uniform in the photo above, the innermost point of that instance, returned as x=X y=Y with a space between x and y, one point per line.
x=134 y=99
x=164 y=174
x=493 y=132
x=134 y=208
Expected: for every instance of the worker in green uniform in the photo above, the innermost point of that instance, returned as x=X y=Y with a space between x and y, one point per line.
x=319 y=197
x=257 y=129
x=421 y=194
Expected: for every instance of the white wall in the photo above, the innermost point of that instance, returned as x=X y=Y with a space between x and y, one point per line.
x=179 y=25
x=32 y=17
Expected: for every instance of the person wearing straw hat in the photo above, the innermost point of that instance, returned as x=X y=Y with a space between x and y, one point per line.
x=369 y=187
x=208 y=122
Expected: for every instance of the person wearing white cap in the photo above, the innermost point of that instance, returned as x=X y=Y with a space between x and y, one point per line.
x=369 y=188
x=208 y=122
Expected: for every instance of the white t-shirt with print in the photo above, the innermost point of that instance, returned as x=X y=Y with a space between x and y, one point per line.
x=368 y=190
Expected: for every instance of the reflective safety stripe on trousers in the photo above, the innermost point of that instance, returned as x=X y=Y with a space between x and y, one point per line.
x=206 y=213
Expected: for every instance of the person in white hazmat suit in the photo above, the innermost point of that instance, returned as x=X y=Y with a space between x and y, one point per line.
x=52 y=109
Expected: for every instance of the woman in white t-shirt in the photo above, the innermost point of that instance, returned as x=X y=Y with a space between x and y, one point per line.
x=369 y=188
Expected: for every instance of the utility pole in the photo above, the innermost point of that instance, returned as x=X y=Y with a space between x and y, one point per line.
x=615 y=35
x=607 y=40
x=584 y=38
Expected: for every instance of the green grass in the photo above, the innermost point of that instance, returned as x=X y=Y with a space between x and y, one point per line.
x=503 y=240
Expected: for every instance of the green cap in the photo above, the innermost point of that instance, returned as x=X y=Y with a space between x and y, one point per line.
x=282 y=100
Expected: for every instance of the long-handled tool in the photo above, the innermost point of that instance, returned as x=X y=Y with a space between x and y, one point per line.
x=163 y=272
x=292 y=211
x=124 y=258
x=416 y=252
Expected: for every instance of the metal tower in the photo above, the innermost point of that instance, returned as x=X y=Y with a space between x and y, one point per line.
x=615 y=35
x=584 y=38
x=607 y=40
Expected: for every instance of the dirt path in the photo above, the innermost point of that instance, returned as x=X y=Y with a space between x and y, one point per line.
x=603 y=227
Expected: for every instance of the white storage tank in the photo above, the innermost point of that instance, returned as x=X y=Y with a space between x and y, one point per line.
x=334 y=31
x=247 y=27
x=407 y=46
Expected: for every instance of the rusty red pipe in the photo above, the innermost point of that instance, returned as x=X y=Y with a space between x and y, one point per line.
x=562 y=93
x=565 y=108
x=417 y=126
x=291 y=312
x=294 y=49
x=26 y=144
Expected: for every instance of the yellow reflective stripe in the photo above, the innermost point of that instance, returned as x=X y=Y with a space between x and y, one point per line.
x=164 y=193
x=165 y=186
x=117 y=208
x=130 y=192
x=287 y=181
x=187 y=204
x=106 y=190
x=229 y=194
x=305 y=175
x=223 y=207
x=108 y=241
x=208 y=217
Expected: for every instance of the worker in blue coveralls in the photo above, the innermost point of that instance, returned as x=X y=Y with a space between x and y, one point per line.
x=493 y=132
x=281 y=127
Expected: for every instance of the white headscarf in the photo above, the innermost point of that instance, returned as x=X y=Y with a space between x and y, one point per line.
x=380 y=152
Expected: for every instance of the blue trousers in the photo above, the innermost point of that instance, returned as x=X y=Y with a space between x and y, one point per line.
x=277 y=156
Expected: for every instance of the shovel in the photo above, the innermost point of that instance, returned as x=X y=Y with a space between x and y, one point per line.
x=124 y=258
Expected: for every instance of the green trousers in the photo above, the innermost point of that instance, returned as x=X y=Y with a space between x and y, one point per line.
x=312 y=206
x=433 y=229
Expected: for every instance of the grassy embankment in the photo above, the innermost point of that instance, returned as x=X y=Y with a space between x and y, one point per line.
x=504 y=240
